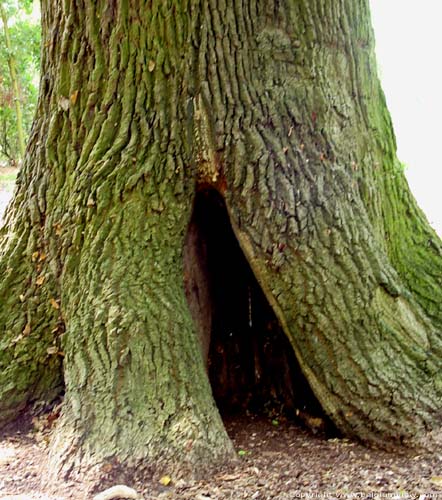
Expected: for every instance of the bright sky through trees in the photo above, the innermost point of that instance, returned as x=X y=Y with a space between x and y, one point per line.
x=408 y=46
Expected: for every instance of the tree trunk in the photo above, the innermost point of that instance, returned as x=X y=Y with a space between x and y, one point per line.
x=276 y=106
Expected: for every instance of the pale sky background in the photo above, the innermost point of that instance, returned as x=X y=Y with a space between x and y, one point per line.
x=409 y=52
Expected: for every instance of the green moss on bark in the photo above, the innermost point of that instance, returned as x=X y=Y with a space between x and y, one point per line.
x=282 y=113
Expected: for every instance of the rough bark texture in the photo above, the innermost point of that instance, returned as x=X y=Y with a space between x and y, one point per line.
x=277 y=106
x=324 y=215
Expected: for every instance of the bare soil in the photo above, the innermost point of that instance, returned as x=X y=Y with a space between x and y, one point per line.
x=277 y=459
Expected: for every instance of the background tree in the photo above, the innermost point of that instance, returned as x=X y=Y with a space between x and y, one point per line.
x=273 y=110
x=23 y=49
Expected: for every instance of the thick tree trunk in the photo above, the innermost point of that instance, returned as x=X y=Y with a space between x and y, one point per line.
x=276 y=105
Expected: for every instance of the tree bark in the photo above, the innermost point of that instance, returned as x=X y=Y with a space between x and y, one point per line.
x=277 y=106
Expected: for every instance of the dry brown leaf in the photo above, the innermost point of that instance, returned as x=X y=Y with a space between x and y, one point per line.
x=42 y=257
x=151 y=66
x=107 y=467
x=27 y=329
x=74 y=97
x=229 y=477
x=34 y=256
x=40 y=280
x=54 y=304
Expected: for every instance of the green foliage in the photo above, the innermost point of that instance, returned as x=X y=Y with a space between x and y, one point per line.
x=25 y=37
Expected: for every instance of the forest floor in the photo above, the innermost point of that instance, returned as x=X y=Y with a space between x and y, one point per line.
x=276 y=460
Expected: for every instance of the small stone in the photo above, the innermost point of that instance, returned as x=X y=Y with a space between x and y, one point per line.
x=118 y=491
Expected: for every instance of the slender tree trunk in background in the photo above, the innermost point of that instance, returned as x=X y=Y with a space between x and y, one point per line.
x=275 y=105
x=15 y=83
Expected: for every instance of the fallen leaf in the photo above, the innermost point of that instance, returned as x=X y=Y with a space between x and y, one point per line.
x=74 y=97
x=437 y=480
x=27 y=329
x=107 y=467
x=40 y=280
x=54 y=304
x=165 y=480
x=229 y=477
x=42 y=257
x=22 y=298
x=151 y=66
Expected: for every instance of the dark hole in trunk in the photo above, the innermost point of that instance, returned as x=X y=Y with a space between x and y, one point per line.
x=250 y=362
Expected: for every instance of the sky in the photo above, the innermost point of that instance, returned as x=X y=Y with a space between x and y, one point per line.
x=408 y=48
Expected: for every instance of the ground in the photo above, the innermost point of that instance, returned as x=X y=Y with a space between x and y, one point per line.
x=277 y=459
